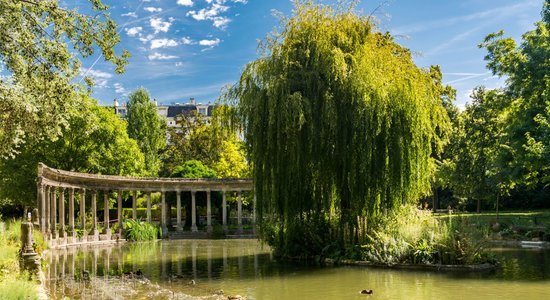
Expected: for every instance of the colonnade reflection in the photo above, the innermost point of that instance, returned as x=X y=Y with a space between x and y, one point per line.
x=165 y=263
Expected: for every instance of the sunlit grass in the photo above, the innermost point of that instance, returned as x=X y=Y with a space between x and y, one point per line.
x=13 y=283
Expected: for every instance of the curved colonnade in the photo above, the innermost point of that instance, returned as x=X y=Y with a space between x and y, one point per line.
x=54 y=184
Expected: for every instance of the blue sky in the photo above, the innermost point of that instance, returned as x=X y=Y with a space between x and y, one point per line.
x=193 y=48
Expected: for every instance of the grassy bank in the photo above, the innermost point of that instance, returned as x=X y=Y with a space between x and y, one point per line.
x=510 y=225
x=14 y=284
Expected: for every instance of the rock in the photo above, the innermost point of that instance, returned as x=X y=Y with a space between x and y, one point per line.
x=366 y=292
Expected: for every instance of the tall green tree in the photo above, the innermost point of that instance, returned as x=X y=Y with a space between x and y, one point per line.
x=473 y=166
x=92 y=141
x=147 y=128
x=526 y=68
x=340 y=125
x=40 y=45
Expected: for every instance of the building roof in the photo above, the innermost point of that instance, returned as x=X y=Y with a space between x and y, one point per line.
x=176 y=110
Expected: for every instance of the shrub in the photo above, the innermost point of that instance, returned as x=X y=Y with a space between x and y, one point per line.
x=137 y=230
x=408 y=235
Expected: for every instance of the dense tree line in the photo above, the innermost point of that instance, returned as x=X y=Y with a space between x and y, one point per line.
x=500 y=150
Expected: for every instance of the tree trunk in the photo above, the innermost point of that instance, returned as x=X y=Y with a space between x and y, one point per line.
x=478 y=205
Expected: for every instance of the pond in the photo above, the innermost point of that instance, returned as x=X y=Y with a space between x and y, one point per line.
x=214 y=269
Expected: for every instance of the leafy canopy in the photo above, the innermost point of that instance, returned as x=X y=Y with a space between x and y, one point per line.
x=93 y=141
x=40 y=42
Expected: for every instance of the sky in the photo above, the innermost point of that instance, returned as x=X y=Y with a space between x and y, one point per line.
x=184 y=49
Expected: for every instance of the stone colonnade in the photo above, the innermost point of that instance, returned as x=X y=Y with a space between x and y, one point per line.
x=53 y=185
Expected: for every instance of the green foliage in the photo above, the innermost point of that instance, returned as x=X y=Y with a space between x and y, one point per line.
x=472 y=167
x=40 y=42
x=500 y=150
x=408 y=235
x=215 y=144
x=147 y=128
x=137 y=230
x=339 y=123
x=525 y=146
x=93 y=141
x=193 y=169
x=13 y=284
x=232 y=162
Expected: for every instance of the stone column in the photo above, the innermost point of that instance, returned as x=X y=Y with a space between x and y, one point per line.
x=48 y=203
x=224 y=212
x=149 y=207
x=134 y=210
x=106 y=227
x=83 y=211
x=71 y=216
x=94 y=216
x=42 y=208
x=178 y=214
x=240 y=213
x=208 y=212
x=53 y=211
x=163 y=215
x=193 y=212
x=119 y=211
x=62 y=232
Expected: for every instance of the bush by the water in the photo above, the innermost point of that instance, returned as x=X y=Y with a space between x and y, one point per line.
x=409 y=235
x=137 y=230
x=405 y=235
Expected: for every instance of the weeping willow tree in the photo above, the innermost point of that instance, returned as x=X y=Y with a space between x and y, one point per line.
x=340 y=126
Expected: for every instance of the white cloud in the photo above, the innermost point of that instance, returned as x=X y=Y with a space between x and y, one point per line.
x=212 y=13
x=209 y=43
x=162 y=43
x=119 y=88
x=185 y=2
x=158 y=56
x=179 y=64
x=159 y=25
x=99 y=74
x=130 y=14
x=221 y=22
x=187 y=41
x=152 y=9
x=133 y=31
x=100 y=77
x=146 y=38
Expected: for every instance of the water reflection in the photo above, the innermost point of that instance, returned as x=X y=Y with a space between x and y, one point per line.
x=201 y=268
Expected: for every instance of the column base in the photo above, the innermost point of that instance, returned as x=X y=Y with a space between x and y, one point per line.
x=240 y=229
x=209 y=229
x=96 y=235
x=194 y=228
x=179 y=228
x=225 y=229
x=164 y=231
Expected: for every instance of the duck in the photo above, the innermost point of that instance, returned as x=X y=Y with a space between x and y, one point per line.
x=86 y=275
x=366 y=292
x=236 y=297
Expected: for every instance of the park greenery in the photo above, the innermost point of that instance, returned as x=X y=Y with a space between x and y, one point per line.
x=344 y=135
x=147 y=128
x=333 y=143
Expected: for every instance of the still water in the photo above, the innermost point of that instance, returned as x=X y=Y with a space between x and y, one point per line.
x=216 y=269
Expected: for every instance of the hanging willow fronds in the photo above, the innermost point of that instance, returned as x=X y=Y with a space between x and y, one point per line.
x=338 y=120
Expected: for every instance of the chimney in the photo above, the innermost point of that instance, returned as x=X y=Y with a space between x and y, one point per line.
x=192 y=101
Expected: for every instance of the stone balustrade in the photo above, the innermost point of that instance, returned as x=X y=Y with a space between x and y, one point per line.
x=53 y=185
